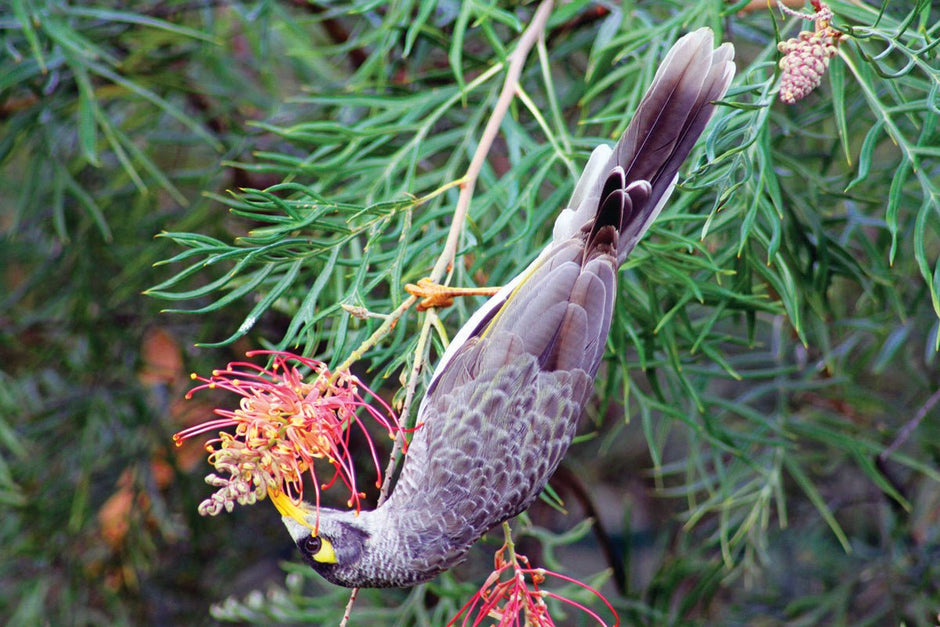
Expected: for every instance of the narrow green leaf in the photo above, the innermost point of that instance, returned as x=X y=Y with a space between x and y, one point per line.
x=87 y=201
x=87 y=117
x=305 y=312
x=837 y=84
x=930 y=206
x=417 y=25
x=455 y=54
x=802 y=480
x=894 y=202
x=867 y=464
x=77 y=48
x=119 y=152
x=171 y=110
x=895 y=341
x=25 y=19
x=109 y=15
x=140 y=156
x=865 y=155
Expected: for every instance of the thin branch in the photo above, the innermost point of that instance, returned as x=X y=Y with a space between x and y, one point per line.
x=390 y=321
x=349 y=606
x=909 y=428
x=517 y=60
x=405 y=412
x=445 y=261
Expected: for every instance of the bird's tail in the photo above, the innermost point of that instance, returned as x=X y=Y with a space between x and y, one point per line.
x=665 y=127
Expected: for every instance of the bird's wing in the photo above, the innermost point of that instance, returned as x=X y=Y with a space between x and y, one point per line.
x=662 y=132
x=488 y=445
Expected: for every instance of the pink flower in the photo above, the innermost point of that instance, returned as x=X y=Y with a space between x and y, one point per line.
x=283 y=425
x=806 y=57
x=518 y=599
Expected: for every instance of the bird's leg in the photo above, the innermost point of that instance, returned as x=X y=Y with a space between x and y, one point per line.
x=436 y=295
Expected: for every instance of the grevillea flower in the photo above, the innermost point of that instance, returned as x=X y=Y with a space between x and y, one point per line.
x=285 y=422
x=512 y=595
x=806 y=57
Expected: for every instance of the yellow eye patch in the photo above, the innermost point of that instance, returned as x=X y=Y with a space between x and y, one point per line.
x=320 y=549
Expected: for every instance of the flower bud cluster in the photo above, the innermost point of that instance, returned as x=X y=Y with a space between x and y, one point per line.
x=805 y=61
x=243 y=485
x=806 y=57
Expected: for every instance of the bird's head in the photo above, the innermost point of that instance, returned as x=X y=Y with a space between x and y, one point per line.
x=336 y=545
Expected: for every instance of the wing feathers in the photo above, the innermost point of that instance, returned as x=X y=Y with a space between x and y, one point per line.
x=619 y=194
x=665 y=127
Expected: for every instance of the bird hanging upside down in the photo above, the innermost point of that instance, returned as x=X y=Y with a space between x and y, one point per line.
x=504 y=402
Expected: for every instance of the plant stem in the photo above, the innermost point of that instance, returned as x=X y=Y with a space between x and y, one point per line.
x=390 y=321
x=517 y=60
x=509 y=543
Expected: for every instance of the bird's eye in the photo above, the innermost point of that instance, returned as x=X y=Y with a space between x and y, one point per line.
x=320 y=549
x=312 y=544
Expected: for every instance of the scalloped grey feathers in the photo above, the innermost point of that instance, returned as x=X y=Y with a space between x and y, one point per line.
x=504 y=402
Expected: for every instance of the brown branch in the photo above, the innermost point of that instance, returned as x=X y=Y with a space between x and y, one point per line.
x=516 y=62
x=445 y=260
x=881 y=461
x=576 y=487
x=909 y=428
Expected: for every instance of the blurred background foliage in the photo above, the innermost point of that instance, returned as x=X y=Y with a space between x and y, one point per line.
x=777 y=329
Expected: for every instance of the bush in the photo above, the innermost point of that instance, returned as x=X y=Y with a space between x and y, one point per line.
x=764 y=444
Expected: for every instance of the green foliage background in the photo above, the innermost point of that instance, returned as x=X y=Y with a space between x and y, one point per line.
x=776 y=330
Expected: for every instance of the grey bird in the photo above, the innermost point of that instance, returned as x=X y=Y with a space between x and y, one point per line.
x=504 y=402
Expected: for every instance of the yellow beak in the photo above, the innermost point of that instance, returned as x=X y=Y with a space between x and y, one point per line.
x=288 y=508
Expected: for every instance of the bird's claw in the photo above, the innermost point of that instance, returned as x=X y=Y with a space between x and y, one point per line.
x=436 y=295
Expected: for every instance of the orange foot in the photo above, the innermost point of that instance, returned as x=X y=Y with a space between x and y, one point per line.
x=436 y=295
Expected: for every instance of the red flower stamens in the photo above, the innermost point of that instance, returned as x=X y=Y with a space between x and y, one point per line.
x=285 y=421
x=519 y=599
